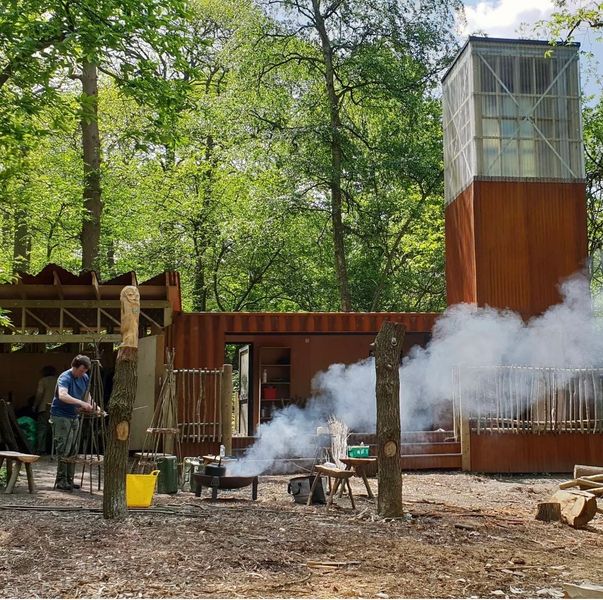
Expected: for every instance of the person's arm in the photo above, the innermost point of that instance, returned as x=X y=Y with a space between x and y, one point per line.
x=64 y=396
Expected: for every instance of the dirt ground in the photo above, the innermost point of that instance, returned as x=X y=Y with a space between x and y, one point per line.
x=463 y=536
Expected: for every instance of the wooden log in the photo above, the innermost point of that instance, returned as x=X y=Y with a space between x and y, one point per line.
x=577 y=507
x=585 y=482
x=549 y=511
x=582 y=470
x=388 y=350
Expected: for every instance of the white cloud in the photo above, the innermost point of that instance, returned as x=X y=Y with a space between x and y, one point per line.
x=503 y=18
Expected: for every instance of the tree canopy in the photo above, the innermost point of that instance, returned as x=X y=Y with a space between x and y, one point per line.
x=281 y=154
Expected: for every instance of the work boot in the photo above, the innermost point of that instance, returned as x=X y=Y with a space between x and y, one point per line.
x=75 y=486
x=65 y=487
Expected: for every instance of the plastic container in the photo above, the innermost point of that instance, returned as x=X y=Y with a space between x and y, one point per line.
x=269 y=392
x=358 y=451
x=140 y=489
x=167 y=482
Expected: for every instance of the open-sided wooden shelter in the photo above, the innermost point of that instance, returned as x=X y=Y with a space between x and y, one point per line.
x=57 y=314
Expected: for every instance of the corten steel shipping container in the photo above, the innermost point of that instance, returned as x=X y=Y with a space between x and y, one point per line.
x=313 y=342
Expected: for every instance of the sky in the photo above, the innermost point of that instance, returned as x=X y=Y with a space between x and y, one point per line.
x=505 y=18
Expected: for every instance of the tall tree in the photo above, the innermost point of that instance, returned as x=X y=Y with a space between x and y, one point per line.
x=363 y=53
x=43 y=43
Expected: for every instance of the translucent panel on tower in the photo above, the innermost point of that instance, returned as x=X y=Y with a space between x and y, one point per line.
x=459 y=132
x=519 y=103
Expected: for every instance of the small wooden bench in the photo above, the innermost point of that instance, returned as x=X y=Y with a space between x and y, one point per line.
x=341 y=477
x=14 y=460
x=359 y=466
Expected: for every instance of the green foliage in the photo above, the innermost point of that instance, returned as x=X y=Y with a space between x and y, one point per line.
x=216 y=146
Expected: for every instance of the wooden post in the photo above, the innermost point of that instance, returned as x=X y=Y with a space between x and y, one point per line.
x=388 y=350
x=120 y=407
x=226 y=400
x=465 y=438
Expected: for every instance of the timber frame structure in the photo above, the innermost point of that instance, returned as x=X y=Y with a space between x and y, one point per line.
x=58 y=307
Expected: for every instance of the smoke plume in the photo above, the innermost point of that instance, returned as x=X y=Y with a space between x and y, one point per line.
x=568 y=335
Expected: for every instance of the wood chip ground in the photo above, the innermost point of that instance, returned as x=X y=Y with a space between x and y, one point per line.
x=463 y=535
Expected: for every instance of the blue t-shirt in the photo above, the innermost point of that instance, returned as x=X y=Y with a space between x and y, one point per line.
x=76 y=387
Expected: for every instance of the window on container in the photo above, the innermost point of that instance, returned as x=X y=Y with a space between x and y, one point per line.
x=489 y=106
x=508 y=106
x=508 y=128
x=490 y=128
x=510 y=162
x=491 y=155
x=527 y=158
x=526 y=128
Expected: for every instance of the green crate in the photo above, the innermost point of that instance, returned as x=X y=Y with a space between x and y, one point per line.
x=358 y=451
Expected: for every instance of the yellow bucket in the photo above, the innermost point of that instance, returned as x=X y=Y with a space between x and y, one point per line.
x=140 y=489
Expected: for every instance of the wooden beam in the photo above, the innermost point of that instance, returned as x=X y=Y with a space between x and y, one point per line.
x=150 y=320
x=46 y=326
x=72 y=316
x=110 y=316
x=15 y=303
x=61 y=338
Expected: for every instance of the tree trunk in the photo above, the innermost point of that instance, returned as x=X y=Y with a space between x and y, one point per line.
x=341 y=268
x=93 y=207
x=388 y=350
x=21 y=242
x=203 y=230
x=120 y=408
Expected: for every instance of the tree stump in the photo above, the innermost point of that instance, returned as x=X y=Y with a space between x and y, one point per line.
x=388 y=350
x=120 y=408
x=549 y=511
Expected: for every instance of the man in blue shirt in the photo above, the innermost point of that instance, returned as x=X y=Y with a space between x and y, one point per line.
x=69 y=400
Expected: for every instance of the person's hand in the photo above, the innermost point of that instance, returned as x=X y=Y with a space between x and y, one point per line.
x=86 y=407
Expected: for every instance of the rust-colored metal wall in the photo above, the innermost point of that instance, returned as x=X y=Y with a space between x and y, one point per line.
x=316 y=340
x=517 y=241
x=461 y=285
x=199 y=338
x=529 y=453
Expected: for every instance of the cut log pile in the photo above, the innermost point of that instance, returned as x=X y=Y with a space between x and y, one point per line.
x=576 y=507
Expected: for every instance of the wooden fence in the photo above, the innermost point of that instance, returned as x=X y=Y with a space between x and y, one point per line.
x=199 y=394
x=518 y=399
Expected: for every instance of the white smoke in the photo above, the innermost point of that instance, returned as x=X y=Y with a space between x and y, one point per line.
x=567 y=335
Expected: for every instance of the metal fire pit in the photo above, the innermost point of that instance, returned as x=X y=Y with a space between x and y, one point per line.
x=224 y=483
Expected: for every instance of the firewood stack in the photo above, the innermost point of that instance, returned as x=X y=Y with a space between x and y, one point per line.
x=576 y=507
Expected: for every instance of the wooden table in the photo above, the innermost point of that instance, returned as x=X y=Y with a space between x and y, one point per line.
x=358 y=465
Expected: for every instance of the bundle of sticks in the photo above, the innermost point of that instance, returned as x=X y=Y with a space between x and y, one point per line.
x=575 y=507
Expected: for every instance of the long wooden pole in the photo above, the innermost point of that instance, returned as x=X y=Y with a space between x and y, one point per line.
x=226 y=416
x=388 y=350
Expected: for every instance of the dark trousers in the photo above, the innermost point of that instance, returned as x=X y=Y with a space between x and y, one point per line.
x=65 y=434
